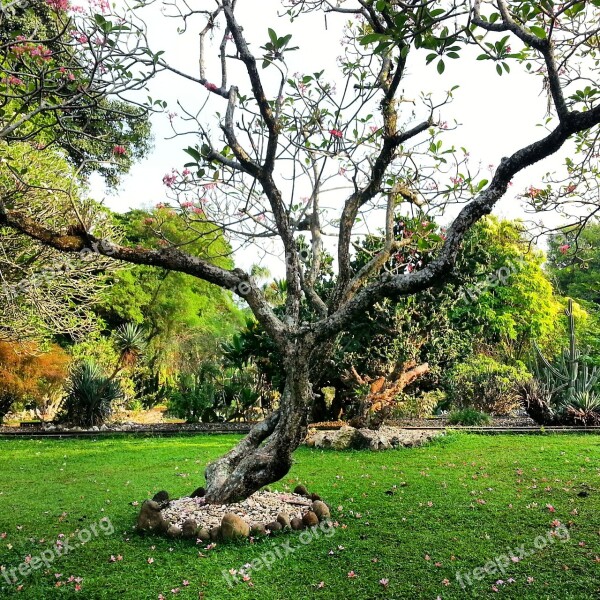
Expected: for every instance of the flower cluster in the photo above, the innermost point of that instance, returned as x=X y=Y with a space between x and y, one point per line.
x=58 y=5
x=29 y=49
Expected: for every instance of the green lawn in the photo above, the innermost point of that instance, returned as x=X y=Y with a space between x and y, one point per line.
x=459 y=503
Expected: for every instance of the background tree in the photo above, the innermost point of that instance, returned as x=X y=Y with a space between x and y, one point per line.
x=278 y=123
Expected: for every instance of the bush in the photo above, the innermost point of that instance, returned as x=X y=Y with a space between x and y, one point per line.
x=486 y=385
x=31 y=378
x=215 y=394
x=469 y=417
x=418 y=406
x=90 y=394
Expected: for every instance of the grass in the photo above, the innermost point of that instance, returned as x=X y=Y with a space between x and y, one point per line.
x=459 y=503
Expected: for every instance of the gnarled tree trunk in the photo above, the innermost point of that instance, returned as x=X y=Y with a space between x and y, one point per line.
x=265 y=454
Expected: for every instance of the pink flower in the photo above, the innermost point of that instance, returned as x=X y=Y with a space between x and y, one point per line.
x=564 y=248
x=148 y=221
x=185 y=583
x=187 y=204
x=550 y=508
x=321 y=584
x=351 y=575
x=445 y=582
x=211 y=87
x=119 y=150
x=78 y=587
x=13 y=80
x=384 y=582
x=336 y=133
x=169 y=179
x=58 y=4
x=150 y=560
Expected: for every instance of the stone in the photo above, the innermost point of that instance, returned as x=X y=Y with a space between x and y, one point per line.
x=204 y=535
x=233 y=527
x=173 y=531
x=150 y=518
x=310 y=519
x=301 y=490
x=384 y=438
x=344 y=439
x=258 y=529
x=214 y=534
x=189 y=529
x=161 y=498
x=321 y=510
x=198 y=493
x=274 y=526
x=284 y=519
x=297 y=524
x=95 y=428
x=104 y=427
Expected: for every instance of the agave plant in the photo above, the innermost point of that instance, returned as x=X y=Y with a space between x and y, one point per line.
x=90 y=394
x=567 y=388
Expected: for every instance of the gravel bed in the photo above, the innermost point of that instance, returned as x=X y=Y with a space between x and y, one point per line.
x=261 y=507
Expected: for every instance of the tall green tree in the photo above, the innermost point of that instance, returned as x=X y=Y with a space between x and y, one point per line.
x=184 y=318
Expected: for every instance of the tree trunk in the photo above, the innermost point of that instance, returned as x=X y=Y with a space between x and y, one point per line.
x=265 y=454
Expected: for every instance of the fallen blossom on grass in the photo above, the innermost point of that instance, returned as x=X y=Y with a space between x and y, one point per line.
x=351 y=575
x=384 y=582
x=150 y=560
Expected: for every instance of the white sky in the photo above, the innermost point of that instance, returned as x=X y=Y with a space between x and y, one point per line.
x=497 y=115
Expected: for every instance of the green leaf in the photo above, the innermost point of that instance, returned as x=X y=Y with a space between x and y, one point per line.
x=538 y=31
x=272 y=36
x=441 y=67
x=193 y=153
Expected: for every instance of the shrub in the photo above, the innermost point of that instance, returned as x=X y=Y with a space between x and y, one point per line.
x=486 y=385
x=418 y=406
x=90 y=394
x=30 y=377
x=215 y=393
x=469 y=417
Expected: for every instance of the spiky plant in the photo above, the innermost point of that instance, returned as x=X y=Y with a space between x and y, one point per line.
x=568 y=385
x=90 y=394
x=130 y=341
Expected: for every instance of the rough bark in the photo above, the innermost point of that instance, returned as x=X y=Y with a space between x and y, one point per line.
x=265 y=454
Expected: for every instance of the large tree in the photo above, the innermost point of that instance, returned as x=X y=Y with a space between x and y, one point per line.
x=283 y=140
